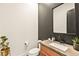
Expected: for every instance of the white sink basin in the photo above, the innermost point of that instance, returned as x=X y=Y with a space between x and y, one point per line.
x=59 y=46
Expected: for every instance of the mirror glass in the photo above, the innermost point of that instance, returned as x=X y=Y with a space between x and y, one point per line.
x=64 y=18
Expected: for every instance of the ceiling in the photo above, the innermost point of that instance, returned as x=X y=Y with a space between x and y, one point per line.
x=51 y=5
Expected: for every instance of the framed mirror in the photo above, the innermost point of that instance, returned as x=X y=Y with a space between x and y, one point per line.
x=64 y=18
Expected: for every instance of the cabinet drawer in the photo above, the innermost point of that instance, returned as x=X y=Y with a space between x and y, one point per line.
x=48 y=51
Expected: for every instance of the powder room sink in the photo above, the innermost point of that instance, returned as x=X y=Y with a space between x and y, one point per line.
x=59 y=46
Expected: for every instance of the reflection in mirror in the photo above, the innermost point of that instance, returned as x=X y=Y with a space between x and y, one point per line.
x=64 y=18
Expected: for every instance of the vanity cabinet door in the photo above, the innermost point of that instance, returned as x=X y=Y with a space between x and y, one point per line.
x=45 y=51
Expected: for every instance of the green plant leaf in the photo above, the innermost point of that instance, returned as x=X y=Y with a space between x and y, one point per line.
x=76 y=40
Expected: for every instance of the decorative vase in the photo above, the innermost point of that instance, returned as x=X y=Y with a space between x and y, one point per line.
x=5 y=51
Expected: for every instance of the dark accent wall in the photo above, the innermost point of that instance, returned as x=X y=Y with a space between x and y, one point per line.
x=77 y=18
x=45 y=26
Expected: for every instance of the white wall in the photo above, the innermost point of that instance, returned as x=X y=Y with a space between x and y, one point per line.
x=60 y=17
x=20 y=23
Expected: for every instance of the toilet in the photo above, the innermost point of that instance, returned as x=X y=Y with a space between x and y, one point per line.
x=34 y=52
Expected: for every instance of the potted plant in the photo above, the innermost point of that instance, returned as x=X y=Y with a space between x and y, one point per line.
x=76 y=43
x=4 y=44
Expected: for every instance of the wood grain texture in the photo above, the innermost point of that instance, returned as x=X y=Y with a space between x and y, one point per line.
x=47 y=52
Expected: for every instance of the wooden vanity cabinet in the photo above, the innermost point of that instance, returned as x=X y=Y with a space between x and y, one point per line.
x=45 y=51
